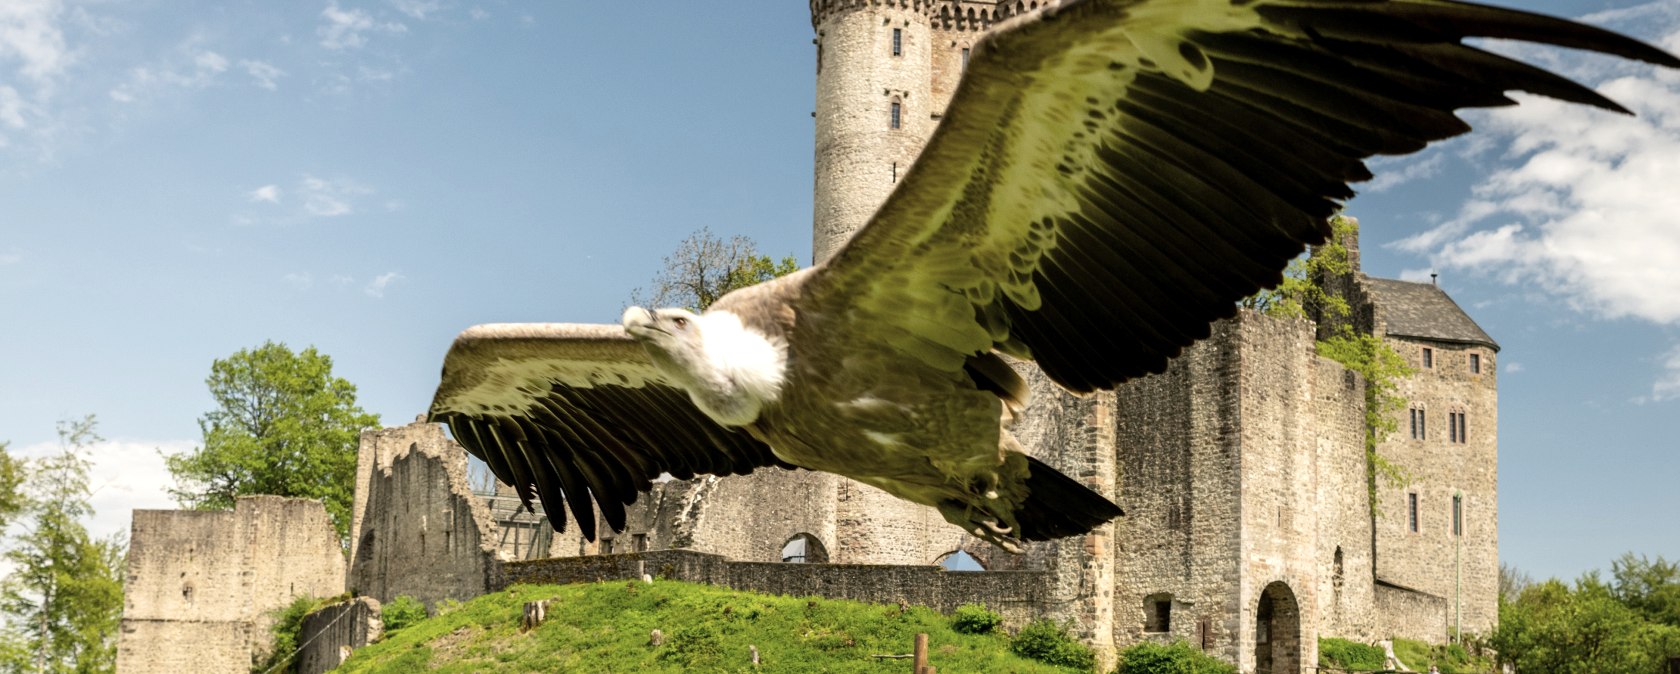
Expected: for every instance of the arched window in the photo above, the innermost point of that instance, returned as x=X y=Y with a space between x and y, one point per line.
x=1157 y=612
x=804 y=549
x=959 y=561
x=897 y=115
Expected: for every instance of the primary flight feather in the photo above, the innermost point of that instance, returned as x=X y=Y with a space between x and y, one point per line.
x=1109 y=178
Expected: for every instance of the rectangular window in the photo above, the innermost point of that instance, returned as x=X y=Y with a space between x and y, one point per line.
x=606 y=546
x=1415 y=431
x=965 y=59
x=1413 y=510
x=898 y=42
x=639 y=542
x=1452 y=427
x=1463 y=430
x=895 y=114
x=1163 y=616
x=1423 y=425
x=1475 y=363
x=1428 y=357
x=1458 y=515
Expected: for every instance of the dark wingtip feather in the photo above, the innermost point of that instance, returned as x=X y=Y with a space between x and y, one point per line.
x=1058 y=507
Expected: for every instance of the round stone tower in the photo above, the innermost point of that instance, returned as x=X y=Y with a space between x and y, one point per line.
x=874 y=107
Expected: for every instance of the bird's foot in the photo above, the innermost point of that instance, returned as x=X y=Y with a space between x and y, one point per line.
x=983 y=524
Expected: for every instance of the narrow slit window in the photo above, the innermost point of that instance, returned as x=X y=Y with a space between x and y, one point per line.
x=1428 y=357
x=1452 y=427
x=1412 y=510
x=1463 y=428
x=896 y=111
x=965 y=59
x=1475 y=363
x=898 y=42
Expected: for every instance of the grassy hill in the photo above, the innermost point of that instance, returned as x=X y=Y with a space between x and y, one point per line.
x=604 y=627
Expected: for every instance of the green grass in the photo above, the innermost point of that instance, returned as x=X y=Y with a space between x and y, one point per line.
x=603 y=627
x=1452 y=659
x=1350 y=655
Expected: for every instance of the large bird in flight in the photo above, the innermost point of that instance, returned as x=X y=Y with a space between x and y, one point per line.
x=1109 y=178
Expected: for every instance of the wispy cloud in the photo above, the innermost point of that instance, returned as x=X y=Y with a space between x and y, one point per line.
x=1390 y=172
x=329 y=198
x=349 y=29
x=30 y=33
x=265 y=194
x=1513 y=367
x=266 y=75
x=299 y=280
x=419 y=9
x=10 y=258
x=376 y=288
x=196 y=69
x=1584 y=209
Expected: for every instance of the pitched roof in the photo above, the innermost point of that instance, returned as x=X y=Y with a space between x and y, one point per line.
x=1423 y=310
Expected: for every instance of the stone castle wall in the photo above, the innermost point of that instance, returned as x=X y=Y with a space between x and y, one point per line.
x=200 y=586
x=1019 y=596
x=1409 y=614
x=1433 y=559
x=417 y=529
x=331 y=633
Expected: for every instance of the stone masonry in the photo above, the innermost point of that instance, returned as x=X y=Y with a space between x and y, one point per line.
x=201 y=585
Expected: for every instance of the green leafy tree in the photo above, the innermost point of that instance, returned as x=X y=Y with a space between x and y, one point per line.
x=64 y=595
x=1650 y=587
x=283 y=425
x=1301 y=294
x=1553 y=627
x=705 y=267
x=12 y=472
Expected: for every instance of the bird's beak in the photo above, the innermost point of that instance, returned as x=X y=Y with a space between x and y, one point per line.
x=638 y=322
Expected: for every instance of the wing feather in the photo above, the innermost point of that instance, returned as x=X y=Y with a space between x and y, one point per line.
x=1113 y=175
x=578 y=417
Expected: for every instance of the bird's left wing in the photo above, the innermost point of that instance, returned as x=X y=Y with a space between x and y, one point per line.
x=568 y=411
x=1113 y=175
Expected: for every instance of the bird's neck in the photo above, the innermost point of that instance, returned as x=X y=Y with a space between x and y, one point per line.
x=738 y=370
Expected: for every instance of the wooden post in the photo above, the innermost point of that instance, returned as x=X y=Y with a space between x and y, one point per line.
x=535 y=613
x=919 y=664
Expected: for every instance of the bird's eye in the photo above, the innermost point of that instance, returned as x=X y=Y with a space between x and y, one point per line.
x=680 y=322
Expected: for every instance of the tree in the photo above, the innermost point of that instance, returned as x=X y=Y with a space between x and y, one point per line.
x=283 y=425
x=1651 y=588
x=1553 y=627
x=1301 y=294
x=64 y=595
x=705 y=267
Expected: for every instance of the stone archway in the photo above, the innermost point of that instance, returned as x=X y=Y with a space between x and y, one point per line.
x=804 y=548
x=1277 y=631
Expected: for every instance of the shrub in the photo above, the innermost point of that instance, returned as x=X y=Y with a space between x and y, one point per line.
x=402 y=612
x=1344 y=654
x=695 y=647
x=1178 y=658
x=975 y=619
x=1047 y=642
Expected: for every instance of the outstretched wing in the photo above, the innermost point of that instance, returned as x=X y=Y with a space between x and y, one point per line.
x=1113 y=175
x=572 y=411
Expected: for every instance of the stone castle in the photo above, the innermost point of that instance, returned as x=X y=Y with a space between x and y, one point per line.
x=1249 y=532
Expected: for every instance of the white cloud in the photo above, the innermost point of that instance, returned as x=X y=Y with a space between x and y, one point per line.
x=1667 y=385
x=10 y=258
x=1513 y=367
x=299 y=280
x=191 y=69
x=266 y=193
x=478 y=14
x=418 y=9
x=30 y=34
x=1416 y=275
x=11 y=108
x=376 y=287
x=1391 y=171
x=266 y=75
x=329 y=198
x=127 y=475
x=1586 y=209
x=348 y=29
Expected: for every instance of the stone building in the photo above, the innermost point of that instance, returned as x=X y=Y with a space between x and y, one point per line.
x=1249 y=529
x=201 y=585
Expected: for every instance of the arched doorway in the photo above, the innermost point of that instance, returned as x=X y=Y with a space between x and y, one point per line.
x=1277 y=632
x=804 y=548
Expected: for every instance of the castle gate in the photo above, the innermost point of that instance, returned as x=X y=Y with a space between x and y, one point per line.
x=1277 y=632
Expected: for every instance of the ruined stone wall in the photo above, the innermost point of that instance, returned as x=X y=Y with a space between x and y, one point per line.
x=1410 y=614
x=1180 y=539
x=1019 y=596
x=1345 y=571
x=417 y=529
x=328 y=636
x=1433 y=559
x=200 y=586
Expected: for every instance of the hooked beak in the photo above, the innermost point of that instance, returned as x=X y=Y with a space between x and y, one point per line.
x=639 y=322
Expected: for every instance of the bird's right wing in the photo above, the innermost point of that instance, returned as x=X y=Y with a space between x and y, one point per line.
x=568 y=411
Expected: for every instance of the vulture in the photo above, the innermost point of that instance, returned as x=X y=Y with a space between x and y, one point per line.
x=1110 y=177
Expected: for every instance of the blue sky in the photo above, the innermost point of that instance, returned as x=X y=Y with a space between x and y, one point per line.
x=180 y=180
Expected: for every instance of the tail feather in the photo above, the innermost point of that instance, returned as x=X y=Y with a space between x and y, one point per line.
x=1058 y=507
